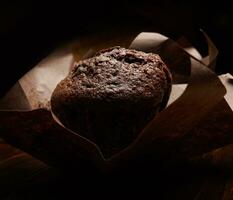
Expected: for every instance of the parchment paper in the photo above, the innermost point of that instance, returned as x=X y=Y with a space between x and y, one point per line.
x=196 y=93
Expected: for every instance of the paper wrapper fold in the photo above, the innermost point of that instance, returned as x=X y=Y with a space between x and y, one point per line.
x=196 y=121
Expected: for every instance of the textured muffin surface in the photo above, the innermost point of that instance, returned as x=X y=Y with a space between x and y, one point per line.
x=110 y=97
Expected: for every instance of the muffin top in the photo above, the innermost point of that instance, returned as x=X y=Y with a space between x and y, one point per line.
x=118 y=73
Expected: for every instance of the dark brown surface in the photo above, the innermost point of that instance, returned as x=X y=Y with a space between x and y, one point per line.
x=51 y=142
x=110 y=97
x=24 y=177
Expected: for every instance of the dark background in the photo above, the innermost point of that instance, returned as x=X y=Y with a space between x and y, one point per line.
x=29 y=30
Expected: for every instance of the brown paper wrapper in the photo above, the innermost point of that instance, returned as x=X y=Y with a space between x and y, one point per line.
x=191 y=125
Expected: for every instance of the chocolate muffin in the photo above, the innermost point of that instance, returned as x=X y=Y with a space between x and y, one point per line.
x=110 y=97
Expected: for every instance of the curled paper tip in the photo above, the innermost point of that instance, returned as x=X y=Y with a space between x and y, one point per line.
x=212 y=52
x=187 y=46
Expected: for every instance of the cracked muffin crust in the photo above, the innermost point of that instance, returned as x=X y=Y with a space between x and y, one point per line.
x=110 y=97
